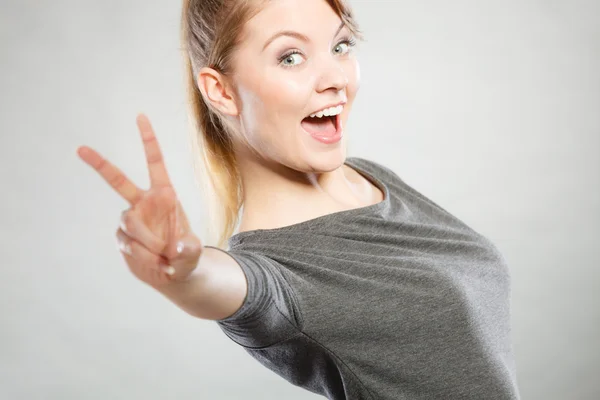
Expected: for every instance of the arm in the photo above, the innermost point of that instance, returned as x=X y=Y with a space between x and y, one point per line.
x=215 y=290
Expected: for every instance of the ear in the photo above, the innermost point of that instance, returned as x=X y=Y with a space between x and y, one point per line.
x=214 y=88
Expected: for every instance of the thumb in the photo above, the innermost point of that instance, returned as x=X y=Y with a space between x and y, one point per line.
x=187 y=250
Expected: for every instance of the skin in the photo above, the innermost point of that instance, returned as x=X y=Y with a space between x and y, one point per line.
x=288 y=176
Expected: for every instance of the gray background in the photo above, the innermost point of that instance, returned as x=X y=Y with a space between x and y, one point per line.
x=490 y=108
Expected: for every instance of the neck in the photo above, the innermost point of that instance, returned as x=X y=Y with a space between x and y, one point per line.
x=276 y=195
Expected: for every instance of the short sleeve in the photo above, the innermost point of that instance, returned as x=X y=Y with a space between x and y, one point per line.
x=270 y=311
x=380 y=168
x=405 y=186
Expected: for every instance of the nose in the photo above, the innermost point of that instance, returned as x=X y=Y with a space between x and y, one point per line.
x=333 y=75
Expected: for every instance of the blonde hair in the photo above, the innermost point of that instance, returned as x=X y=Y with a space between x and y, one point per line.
x=210 y=33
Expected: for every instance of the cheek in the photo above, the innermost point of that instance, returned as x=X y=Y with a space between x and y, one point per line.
x=353 y=75
x=274 y=94
x=251 y=104
x=271 y=106
x=353 y=79
x=287 y=93
x=282 y=99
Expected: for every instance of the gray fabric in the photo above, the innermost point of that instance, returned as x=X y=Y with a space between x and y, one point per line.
x=397 y=300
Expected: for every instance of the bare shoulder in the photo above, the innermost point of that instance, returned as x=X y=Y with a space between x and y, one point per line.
x=224 y=284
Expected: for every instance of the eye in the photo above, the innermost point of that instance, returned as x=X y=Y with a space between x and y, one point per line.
x=283 y=60
x=349 y=42
x=289 y=57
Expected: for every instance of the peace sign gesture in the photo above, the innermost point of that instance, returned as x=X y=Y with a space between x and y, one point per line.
x=154 y=233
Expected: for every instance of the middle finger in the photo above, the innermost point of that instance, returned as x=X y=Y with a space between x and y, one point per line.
x=135 y=228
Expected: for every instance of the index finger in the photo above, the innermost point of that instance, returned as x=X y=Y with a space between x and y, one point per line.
x=156 y=165
x=111 y=174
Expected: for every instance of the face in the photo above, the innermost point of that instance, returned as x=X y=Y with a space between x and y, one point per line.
x=279 y=85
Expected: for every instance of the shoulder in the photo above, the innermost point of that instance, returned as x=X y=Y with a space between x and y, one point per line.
x=373 y=167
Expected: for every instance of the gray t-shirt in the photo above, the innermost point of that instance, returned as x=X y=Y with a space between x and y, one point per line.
x=396 y=300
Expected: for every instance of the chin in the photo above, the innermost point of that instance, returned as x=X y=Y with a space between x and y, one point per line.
x=327 y=161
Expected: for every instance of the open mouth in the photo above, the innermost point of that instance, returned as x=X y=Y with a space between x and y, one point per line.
x=324 y=126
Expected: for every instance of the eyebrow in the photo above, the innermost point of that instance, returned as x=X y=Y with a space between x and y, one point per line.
x=296 y=35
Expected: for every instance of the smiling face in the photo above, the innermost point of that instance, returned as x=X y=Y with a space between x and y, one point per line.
x=282 y=79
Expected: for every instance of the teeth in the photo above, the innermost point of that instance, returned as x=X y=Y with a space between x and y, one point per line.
x=328 y=112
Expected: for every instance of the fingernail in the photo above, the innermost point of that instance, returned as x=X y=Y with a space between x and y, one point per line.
x=179 y=247
x=125 y=248
x=169 y=270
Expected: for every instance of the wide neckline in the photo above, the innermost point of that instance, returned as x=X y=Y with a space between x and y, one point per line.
x=353 y=163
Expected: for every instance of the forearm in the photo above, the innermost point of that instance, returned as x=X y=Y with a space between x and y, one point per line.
x=215 y=289
x=188 y=294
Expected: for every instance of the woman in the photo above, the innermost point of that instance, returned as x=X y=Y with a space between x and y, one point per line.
x=342 y=278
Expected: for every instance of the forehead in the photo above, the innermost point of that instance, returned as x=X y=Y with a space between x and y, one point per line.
x=309 y=17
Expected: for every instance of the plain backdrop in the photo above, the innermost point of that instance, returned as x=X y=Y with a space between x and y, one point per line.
x=490 y=108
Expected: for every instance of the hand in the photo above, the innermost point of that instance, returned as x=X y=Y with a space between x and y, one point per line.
x=155 y=226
